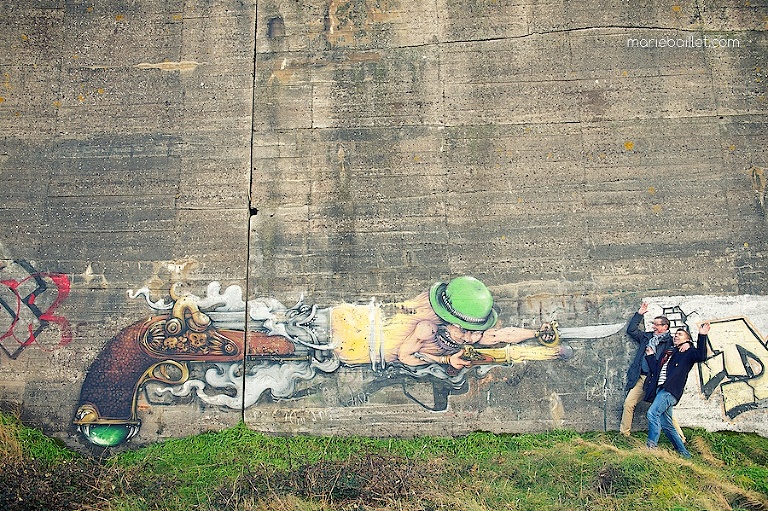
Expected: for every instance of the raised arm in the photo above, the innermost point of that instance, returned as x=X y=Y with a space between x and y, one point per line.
x=634 y=329
x=703 y=341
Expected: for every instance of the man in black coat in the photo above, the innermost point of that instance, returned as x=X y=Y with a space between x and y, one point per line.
x=660 y=340
x=666 y=382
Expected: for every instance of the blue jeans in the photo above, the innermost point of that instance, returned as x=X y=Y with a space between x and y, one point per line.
x=660 y=418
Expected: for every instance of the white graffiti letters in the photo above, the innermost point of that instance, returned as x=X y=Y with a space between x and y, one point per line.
x=737 y=366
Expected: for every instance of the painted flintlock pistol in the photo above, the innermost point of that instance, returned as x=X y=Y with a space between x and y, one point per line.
x=159 y=349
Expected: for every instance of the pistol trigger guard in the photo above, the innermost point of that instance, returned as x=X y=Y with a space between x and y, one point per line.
x=160 y=372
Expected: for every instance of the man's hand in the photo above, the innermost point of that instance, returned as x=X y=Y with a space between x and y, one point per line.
x=643 y=308
x=704 y=328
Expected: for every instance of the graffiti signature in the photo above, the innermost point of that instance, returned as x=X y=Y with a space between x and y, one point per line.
x=737 y=366
x=28 y=301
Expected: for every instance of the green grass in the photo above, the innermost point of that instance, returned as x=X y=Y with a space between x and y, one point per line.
x=31 y=444
x=241 y=470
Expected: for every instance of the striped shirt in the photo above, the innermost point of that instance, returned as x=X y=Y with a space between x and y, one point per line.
x=664 y=363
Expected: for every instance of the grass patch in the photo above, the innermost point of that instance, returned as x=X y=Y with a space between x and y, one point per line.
x=241 y=470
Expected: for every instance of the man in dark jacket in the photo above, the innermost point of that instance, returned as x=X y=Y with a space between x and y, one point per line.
x=666 y=382
x=660 y=340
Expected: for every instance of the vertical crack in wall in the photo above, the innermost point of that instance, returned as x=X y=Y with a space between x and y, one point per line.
x=252 y=210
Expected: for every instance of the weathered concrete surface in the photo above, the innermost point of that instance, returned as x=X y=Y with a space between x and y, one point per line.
x=531 y=145
x=124 y=163
x=343 y=150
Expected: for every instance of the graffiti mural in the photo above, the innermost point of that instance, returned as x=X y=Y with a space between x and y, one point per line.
x=227 y=352
x=738 y=366
x=220 y=350
x=736 y=370
x=28 y=303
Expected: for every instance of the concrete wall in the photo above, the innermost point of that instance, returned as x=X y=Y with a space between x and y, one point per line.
x=577 y=159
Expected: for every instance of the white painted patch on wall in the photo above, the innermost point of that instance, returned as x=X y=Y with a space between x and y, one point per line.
x=729 y=391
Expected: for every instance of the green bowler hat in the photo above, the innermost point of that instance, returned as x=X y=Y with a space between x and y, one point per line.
x=464 y=301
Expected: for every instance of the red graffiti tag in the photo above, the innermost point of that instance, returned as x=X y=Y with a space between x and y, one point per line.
x=27 y=319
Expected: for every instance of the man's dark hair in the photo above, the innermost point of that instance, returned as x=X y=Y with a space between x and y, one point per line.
x=663 y=320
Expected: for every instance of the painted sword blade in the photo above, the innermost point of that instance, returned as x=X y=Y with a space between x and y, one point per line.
x=590 y=332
